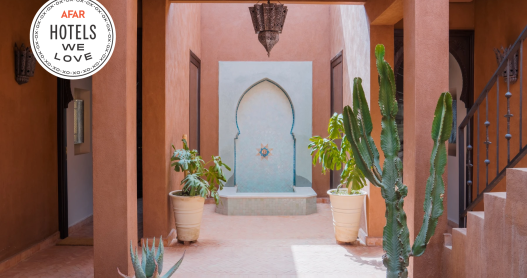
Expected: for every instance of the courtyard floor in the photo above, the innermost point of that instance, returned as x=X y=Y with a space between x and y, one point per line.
x=237 y=246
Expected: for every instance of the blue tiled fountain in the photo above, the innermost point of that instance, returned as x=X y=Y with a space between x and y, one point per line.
x=267 y=147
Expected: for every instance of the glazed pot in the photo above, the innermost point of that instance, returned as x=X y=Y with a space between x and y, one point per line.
x=346 y=210
x=188 y=212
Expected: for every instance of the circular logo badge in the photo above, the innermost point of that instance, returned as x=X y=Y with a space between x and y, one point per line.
x=72 y=39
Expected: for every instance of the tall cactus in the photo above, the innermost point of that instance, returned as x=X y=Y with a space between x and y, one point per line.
x=358 y=126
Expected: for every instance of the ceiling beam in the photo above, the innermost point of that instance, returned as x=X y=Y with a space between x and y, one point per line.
x=389 y=12
x=384 y=12
x=325 y=2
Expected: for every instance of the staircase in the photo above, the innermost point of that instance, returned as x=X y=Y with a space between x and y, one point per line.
x=490 y=151
x=494 y=244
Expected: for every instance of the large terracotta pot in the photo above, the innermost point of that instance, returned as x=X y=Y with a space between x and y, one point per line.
x=346 y=211
x=188 y=212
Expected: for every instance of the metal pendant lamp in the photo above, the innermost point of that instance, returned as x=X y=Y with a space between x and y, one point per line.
x=268 y=21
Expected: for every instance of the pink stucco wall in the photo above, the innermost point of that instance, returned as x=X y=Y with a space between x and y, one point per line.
x=228 y=35
x=350 y=33
x=183 y=36
x=166 y=55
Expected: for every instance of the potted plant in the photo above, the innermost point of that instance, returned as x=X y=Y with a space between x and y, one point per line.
x=199 y=183
x=348 y=198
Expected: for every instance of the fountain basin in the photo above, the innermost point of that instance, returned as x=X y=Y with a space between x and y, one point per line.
x=302 y=201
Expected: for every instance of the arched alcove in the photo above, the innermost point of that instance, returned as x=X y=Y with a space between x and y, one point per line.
x=264 y=147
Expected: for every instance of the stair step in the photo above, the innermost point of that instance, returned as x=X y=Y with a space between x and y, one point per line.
x=459 y=240
x=448 y=239
x=515 y=240
x=476 y=266
x=495 y=235
x=447 y=255
x=516 y=181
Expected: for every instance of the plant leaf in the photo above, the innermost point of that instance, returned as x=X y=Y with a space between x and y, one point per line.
x=159 y=257
x=172 y=270
x=435 y=188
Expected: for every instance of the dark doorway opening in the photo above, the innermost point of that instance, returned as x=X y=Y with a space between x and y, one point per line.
x=139 y=122
x=461 y=47
x=63 y=98
x=337 y=103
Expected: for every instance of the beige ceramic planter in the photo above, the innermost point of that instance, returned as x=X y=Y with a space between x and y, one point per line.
x=346 y=211
x=188 y=212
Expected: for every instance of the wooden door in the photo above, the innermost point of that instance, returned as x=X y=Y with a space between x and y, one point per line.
x=194 y=101
x=337 y=103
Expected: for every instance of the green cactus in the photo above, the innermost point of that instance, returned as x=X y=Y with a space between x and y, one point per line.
x=151 y=263
x=358 y=126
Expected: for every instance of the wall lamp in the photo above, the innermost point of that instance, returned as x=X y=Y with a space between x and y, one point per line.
x=24 y=64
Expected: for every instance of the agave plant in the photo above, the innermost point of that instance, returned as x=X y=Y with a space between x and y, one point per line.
x=199 y=180
x=358 y=126
x=326 y=152
x=151 y=263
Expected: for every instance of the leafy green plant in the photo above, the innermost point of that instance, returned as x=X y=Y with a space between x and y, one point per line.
x=151 y=263
x=326 y=152
x=358 y=126
x=199 y=180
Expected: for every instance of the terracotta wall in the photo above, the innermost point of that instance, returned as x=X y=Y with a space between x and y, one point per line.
x=28 y=140
x=351 y=33
x=183 y=36
x=167 y=42
x=228 y=35
x=461 y=16
x=379 y=34
x=497 y=23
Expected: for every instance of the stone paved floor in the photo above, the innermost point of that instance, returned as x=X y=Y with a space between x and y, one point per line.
x=237 y=246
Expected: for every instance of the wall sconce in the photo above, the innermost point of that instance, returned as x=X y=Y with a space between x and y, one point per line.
x=513 y=64
x=24 y=64
x=78 y=121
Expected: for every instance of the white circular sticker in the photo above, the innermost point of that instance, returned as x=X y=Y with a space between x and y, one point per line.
x=72 y=39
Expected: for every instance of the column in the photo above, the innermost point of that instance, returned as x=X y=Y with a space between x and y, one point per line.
x=114 y=147
x=426 y=76
x=156 y=162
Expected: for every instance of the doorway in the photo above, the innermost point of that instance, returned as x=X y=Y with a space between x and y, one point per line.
x=337 y=104
x=194 y=102
x=461 y=79
x=75 y=161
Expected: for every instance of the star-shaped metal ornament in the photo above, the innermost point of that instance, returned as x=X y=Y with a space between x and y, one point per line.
x=264 y=151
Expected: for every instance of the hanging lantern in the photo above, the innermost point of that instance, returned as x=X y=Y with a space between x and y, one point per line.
x=268 y=21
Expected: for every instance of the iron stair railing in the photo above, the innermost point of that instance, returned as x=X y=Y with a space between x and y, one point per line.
x=470 y=197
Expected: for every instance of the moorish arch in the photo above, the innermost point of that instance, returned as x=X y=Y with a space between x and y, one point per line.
x=265 y=146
